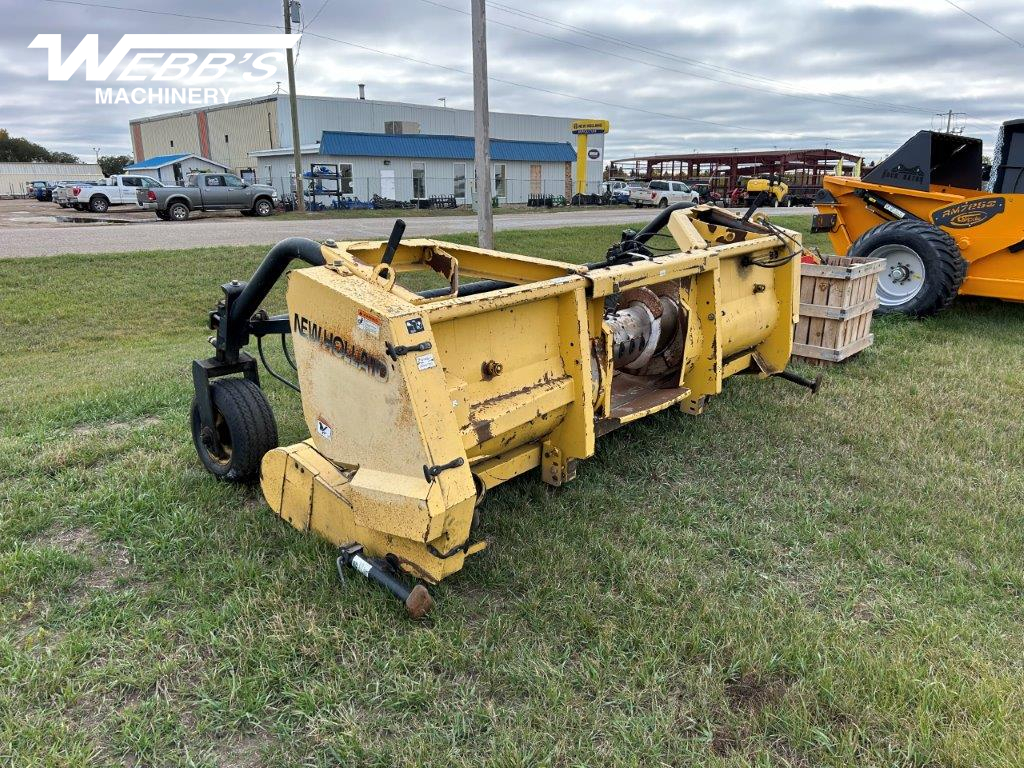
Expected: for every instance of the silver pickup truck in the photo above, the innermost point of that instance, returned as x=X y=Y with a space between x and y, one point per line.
x=209 y=192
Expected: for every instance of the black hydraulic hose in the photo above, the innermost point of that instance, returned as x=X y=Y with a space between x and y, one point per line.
x=659 y=222
x=469 y=289
x=269 y=272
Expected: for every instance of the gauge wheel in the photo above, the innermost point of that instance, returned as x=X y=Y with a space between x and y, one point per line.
x=244 y=430
x=924 y=269
x=177 y=212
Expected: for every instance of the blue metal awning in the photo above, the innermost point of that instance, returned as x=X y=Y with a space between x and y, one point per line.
x=427 y=147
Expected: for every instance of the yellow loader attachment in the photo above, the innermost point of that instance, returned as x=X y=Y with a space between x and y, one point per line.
x=419 y=402
x=927 y=211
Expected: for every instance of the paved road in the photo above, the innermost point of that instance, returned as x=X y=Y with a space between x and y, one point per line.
x=29 y=241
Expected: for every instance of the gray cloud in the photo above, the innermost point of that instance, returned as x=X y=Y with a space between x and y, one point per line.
x=858 y=75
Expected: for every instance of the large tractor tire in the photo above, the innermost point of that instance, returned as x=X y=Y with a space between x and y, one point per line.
x=245 y=428
x=924 y=268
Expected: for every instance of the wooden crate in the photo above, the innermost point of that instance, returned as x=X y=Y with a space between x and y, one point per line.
x=836 y=302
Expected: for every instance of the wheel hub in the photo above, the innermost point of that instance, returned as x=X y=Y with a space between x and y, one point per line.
x=904 y=274
x=900 y=273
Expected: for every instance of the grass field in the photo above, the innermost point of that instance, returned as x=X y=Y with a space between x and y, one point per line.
x=784 y=580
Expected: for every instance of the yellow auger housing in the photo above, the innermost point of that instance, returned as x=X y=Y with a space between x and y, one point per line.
x=419 y=402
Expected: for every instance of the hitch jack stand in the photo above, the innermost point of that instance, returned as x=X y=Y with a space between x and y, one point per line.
x=812 y=384
x=417 y=600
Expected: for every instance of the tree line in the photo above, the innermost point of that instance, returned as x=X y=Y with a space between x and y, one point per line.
x=17 y=149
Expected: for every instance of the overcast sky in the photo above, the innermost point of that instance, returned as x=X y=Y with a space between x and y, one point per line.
x=857 y=75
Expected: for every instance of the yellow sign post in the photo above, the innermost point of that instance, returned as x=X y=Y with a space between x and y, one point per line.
x=582 y=129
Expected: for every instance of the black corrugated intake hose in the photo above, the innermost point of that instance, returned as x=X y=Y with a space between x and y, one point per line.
x=269 y=272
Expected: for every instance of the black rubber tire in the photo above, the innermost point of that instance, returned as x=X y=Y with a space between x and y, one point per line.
x=945 y=267
x=245 y=425
x=263 y=207
x=181 y=208
x=663 y=203
x=99 y=204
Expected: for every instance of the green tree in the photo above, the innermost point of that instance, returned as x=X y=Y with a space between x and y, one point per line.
x=21 y=150
x=114 y=164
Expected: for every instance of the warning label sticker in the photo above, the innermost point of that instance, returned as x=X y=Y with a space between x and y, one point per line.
x=368 y=323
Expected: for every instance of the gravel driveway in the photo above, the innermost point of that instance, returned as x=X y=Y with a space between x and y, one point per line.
x=28 y=240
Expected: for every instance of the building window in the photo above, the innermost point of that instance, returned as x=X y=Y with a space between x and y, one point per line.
x=459 y=188
x=419 y=181
x=172 y=142
x=345 y=178
x=225 y=138
x=500 y=188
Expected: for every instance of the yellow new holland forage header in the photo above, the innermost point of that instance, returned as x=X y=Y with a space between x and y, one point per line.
x=418 y=403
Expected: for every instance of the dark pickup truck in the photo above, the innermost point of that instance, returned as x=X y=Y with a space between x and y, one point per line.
x=209 y=192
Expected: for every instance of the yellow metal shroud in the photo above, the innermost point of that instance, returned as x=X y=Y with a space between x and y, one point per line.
x=417 y=406
x=990 y=246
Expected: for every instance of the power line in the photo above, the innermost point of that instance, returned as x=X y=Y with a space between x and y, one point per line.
x=858 y=100
x=985 y=23
x=820 y=98
x=316 y=16
x=414 y=60
x=165 y=13
x=548 y=90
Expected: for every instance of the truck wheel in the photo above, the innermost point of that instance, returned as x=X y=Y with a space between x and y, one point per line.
x=663 y=203
x=99 y=204
x=263 y=207
x=923 y=266
x=637 y=205
x=177 y=212
x=245 y=431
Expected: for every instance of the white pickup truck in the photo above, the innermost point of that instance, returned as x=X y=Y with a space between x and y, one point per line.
x=116 y=190
x=662 y=194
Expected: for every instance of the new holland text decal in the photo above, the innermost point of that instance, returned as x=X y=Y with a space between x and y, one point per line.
x=969 y=213
x=340 y=347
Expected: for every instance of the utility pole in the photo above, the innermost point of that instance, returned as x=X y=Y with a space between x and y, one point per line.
x=949 y=121
x=300 y=201
x=482 y=129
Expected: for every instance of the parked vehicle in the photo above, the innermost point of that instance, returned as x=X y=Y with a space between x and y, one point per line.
x=62 y=189
x=209 y=192
x=40 y=190
x=662 y=194
x=117 y=190
x=707 y=194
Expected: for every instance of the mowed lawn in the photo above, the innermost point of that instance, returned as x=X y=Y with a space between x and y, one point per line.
x=786 y=580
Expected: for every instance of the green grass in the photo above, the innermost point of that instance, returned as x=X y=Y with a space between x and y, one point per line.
x=784 y=580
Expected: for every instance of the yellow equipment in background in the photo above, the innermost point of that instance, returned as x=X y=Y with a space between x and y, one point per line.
x=926 y=211
x=769 y=190
x=420 y=402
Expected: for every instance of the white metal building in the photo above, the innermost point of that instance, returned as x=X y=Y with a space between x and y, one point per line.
x=418 y=167
x=15 y=176
x=174 y=169
x=230 y=133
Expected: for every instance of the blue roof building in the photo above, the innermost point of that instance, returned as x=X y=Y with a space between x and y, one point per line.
x=417 y=166
x=172 y=169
